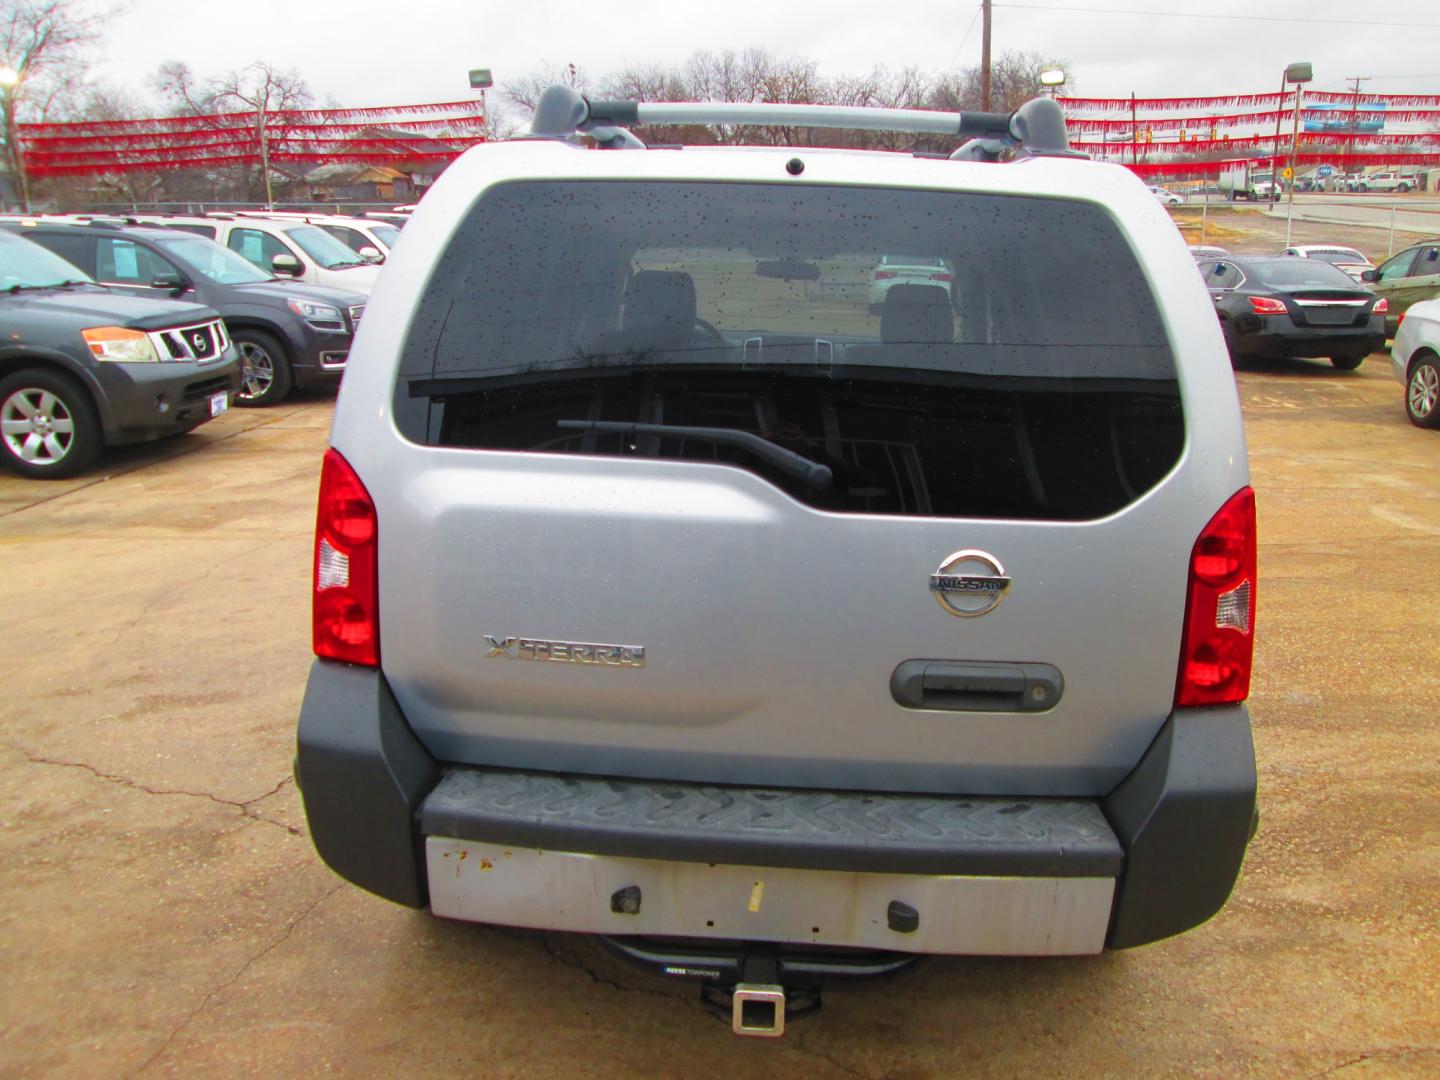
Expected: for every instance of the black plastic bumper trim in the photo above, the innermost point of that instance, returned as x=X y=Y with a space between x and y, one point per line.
x=796 y=828
x=362 y=774
x=1184 y=816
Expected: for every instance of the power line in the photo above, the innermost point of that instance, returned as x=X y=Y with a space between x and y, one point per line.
x=966 y=38
x=1212 y=15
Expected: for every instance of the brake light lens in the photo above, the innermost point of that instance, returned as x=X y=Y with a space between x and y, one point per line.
x=883 y=275
x=1217 y=647
x=346 y=613
x=1265 y=305
x=942 y=277
x=1381 y=306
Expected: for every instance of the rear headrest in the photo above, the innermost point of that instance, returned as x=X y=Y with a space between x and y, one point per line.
x=659 y=309
x=917 y=313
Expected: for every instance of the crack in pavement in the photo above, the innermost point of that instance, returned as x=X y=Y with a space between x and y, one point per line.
x=579 y=965
x=848 y=1070
x=182 y=452
x=170 y=589
x=124 y=781
x=205 y=1002
x=1369 y=1055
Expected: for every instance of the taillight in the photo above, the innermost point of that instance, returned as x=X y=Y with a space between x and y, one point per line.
x=1218 y=644
x=1381 y=306
x=882 y=275
x=1265 y=305
x=346 y=603
x=942 y=277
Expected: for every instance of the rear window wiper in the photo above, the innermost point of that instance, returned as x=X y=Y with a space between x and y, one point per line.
x=815 y=475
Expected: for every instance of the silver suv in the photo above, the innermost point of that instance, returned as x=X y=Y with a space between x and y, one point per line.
x=665 y=591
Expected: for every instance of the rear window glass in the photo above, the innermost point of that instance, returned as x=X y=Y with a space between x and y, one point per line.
x=1301 y=273
x=1019 y=365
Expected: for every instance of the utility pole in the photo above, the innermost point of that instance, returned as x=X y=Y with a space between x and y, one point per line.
x=1134 y=133
x=1354 y=113
x=985 y=55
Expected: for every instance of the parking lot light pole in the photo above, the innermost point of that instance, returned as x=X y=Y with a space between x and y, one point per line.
x=1298 y=73
x=10 y=80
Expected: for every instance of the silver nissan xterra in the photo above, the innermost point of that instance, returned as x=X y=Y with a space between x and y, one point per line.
x=668 y=590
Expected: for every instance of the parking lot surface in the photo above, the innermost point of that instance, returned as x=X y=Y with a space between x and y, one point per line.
x=162 y=910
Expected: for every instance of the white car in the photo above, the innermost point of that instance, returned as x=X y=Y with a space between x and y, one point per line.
x=1169 y=198
x=293 y=249
x=1208 y=251
x=1415 y=358
x=1346 y=258
x=894 y=270
x=371 y=239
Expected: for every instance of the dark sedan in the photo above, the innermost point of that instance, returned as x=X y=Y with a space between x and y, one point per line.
x=1283 y=306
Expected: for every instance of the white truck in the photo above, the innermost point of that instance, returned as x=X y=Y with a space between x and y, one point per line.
x=1243 y=179
x=1388 y=181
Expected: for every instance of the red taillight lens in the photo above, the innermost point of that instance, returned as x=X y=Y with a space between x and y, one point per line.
x=346 y=604
x=1265 y=305
x=883 y=275
x=1381 y=306
x=942 y=277
x=1218 y=644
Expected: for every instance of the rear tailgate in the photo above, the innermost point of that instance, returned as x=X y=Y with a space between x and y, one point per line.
x=769 y=631
x=674 y=607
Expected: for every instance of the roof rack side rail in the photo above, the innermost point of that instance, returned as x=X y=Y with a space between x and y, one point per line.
x=1037 y=127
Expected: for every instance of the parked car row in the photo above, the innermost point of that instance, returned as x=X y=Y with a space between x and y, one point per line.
x=262 y=302
x=1337 y=304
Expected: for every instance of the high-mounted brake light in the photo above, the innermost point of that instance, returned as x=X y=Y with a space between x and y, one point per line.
x=1217 y=647
x=1265 y=305
x=1381 y=306
x=346 y=615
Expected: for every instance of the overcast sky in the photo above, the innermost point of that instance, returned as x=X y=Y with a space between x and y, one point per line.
x=379 y=52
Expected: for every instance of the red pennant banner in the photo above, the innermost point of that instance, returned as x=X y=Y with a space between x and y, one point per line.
x=418 y=134
x=1233 y=101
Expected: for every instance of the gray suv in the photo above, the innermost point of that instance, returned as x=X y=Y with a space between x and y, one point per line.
x=665 y=591
x=82 y=367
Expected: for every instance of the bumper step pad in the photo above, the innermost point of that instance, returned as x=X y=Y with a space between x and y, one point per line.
x=801 y=829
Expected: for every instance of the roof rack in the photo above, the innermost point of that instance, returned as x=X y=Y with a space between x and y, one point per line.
x=1037 y=128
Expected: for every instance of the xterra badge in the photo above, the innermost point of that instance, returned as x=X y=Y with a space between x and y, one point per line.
x=567 y=652
x=969 y=583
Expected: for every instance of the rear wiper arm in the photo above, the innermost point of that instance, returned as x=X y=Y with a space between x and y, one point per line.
x=815 y=475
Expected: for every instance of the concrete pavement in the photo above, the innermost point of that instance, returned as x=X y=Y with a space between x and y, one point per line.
x=162 y=911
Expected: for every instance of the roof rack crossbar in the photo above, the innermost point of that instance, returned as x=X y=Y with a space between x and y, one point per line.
x=1037 y=127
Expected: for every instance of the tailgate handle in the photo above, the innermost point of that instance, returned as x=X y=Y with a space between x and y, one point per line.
x=977 y=686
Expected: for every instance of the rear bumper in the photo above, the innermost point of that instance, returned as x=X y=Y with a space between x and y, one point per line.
x=982 y=875
x=1285 y=339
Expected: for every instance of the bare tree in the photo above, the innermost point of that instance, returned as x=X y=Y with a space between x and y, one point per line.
x=1014 y=80
x=261 y=90
x=42 y=44
x=524 y=93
